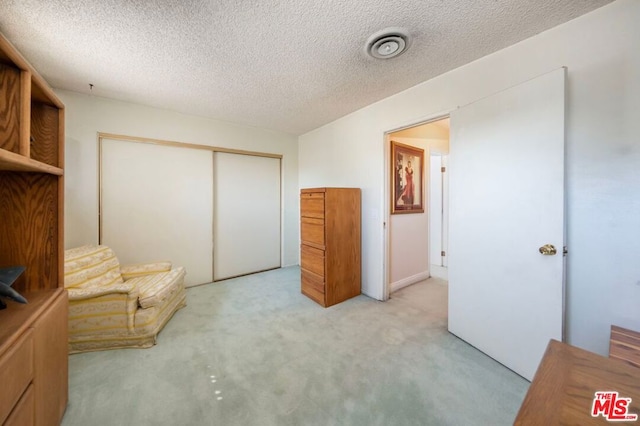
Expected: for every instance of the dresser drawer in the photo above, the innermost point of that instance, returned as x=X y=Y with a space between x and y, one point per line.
x=312 y=259
x=24 y=412
x=313 y=287
x=312 y=204
x=16 y=372
x=312 y=231
x=311 y=280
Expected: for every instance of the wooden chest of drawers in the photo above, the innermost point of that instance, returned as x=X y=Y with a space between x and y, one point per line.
x=330 y=249
x=16 y=374
x=33 y=360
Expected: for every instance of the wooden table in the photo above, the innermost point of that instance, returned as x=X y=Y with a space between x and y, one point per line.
x=563 y=389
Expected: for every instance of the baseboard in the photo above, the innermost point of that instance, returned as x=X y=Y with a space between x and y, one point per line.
x=408 y=281
x=439 y=272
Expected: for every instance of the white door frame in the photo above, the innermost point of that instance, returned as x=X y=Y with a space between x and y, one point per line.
x=386 y=261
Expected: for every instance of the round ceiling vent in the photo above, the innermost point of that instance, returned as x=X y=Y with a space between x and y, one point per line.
x=387 y=43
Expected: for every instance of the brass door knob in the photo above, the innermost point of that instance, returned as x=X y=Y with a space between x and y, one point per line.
x=548 y=250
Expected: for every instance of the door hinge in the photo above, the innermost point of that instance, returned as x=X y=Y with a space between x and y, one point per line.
x=443 y=253
x=443 y=169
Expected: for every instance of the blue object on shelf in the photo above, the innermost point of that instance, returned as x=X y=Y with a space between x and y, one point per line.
x=7 y=278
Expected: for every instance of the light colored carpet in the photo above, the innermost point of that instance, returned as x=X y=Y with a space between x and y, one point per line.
x=254 y=351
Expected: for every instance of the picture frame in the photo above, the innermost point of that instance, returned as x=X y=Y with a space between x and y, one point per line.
x=407 y=179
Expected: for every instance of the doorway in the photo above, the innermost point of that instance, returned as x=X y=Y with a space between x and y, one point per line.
x=506 y=258
x=417 y=240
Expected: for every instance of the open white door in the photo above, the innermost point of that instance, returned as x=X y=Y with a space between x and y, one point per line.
x=506 y=201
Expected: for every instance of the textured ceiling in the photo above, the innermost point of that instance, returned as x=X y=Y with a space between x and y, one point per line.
x=284 y=65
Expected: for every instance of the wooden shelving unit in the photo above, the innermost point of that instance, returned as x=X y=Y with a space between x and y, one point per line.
x=33 y=337
x=31 y=173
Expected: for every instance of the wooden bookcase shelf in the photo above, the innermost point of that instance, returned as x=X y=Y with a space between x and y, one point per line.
x=31 y=173
x=18 y=163
x=33 y=337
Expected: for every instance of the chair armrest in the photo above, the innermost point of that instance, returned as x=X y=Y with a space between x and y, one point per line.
x=91 y=292
x=133 y=271
x=94 y=308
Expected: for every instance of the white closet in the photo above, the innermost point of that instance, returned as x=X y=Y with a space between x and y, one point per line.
x=169 y=201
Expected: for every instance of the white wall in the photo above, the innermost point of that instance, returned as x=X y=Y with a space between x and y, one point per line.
x=601 y=52
x=433 y=130
x=88 y=115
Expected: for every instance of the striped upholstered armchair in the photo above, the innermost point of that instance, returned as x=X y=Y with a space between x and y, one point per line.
x=114 y=307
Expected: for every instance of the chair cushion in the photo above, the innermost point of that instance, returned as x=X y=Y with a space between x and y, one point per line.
x=154 y=289
x=134 y=271
x=91 y=266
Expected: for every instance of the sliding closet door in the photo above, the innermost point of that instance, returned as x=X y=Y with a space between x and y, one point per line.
x=247 y=214
x=157 y=204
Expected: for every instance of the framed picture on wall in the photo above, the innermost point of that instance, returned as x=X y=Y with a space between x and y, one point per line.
x=407 y=179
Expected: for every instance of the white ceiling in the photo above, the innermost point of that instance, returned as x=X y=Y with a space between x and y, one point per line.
x=284 y=65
